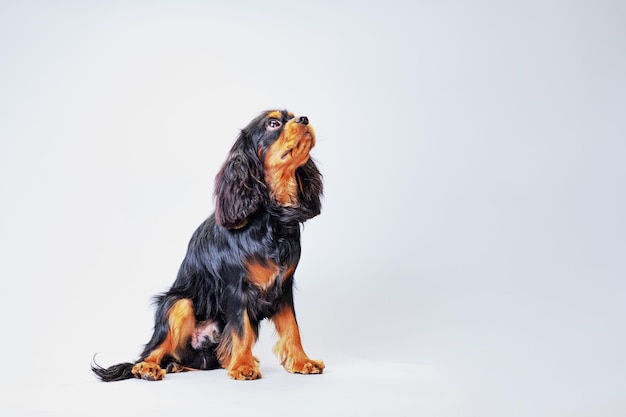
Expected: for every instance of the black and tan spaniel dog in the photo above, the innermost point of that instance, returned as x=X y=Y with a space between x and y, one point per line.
x=240 y=263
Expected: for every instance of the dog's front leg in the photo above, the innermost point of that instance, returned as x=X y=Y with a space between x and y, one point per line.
x=289 y=347
x=235 y=351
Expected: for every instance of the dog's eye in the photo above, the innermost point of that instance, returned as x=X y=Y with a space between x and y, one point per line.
x=273 y=124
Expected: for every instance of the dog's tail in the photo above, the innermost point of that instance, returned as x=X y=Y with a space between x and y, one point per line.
x=118 y=372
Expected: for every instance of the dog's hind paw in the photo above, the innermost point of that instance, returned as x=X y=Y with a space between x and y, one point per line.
x=148 y=371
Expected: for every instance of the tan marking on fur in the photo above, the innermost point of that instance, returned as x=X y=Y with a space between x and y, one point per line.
x=181 y=327
x=290 y=270
x=263 y=276
x=276 y=114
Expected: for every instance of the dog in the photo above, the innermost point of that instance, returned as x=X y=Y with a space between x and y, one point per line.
x=240 y=262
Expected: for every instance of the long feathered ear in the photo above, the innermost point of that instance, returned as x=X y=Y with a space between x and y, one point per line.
x=310 y=189
x=239 y=189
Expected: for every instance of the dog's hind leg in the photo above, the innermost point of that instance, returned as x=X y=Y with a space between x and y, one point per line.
x=180 y=328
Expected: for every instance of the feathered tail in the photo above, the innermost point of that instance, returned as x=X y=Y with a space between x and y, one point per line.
x=117 y=372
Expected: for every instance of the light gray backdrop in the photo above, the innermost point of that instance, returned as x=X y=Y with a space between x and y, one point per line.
x=473 y=155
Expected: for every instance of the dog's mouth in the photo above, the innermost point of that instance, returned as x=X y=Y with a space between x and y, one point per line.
x=286 y=154
x=307 y=140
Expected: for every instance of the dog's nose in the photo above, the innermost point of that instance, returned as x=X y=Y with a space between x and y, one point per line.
x=304 y=120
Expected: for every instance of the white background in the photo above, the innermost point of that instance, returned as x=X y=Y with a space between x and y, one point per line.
x=471 y=254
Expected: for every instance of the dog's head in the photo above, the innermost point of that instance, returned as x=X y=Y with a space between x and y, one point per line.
x=269 y=166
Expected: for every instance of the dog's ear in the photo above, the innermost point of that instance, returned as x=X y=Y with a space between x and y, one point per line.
x=239 y=188
x=310 y=189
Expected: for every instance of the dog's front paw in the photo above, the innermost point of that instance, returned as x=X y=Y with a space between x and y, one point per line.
x=245 y=372
x=307 y=367
x=148 y=371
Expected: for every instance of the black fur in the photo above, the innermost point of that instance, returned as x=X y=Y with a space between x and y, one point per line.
x=247 y=225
